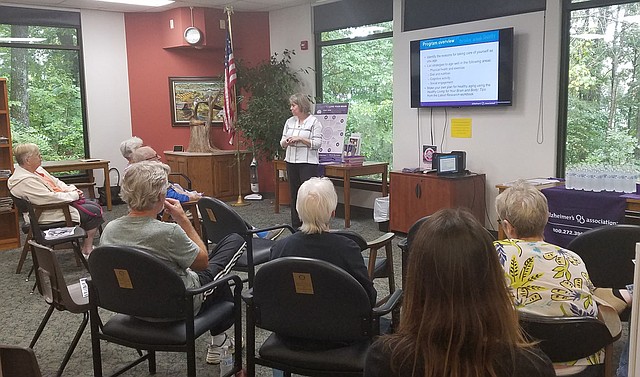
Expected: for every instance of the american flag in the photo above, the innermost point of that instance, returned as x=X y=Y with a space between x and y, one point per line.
x=229 y=90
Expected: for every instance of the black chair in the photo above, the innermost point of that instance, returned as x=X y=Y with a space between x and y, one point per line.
x=59 y=295
x=566 y=339
x=136 y=284
x=608 y=253
x=405 y=244
x=18 y=362
x=36 y=231
x=321 y=320
x=220 y=220
x=183 y=180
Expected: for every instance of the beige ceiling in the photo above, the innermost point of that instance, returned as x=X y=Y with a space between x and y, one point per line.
x=239 y=5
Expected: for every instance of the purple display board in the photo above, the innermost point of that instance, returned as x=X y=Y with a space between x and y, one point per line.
x=333 y=117
x=573 y=212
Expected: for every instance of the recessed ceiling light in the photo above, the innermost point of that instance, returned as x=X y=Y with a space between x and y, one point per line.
x=146 y=3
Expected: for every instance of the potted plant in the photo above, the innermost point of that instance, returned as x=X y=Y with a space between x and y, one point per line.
x=265 y=108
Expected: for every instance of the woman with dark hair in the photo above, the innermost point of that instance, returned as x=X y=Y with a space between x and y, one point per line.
x=301 y=137
x=458 y=319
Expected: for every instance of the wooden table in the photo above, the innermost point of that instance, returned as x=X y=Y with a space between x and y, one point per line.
x=344 y=172
x=88 y=164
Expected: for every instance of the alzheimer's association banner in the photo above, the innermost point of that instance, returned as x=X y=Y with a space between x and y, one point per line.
x=333 y=117
x=573 y=212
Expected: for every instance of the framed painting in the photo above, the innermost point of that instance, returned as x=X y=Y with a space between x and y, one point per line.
x=189 y=94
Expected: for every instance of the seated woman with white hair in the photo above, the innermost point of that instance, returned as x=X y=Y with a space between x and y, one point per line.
x=32 y=182
x=316 y=205
x=127 y=147
x=545 y=279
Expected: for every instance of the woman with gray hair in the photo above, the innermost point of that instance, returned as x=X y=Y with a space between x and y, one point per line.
x=127 y=147
x=144 y=188
x=545 y=279
x=317 y=201
x=32 y=182
x=302 y=137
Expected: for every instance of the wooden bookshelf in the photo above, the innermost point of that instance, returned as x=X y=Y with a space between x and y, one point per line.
x=9 y=230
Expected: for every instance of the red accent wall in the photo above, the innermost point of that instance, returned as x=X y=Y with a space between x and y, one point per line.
x=151 y=64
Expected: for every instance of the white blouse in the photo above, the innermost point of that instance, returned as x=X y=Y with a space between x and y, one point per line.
x=300 y=153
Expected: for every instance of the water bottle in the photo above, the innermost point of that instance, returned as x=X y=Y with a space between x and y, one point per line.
x=570 y=179
x=226 y=361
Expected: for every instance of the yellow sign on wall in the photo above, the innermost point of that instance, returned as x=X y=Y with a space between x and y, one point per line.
x=461 y=127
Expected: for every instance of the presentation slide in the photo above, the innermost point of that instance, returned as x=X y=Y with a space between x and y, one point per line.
x=459 y=70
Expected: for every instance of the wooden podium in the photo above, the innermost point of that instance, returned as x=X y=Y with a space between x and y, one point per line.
x=215 y=174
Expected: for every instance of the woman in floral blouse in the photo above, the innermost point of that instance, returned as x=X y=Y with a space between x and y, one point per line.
x=544 y=279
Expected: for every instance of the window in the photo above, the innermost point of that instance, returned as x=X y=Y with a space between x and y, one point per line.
x=43 y=65
x=602 y=84
x=356 y=66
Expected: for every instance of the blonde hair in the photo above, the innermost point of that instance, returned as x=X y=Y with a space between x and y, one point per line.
x=22 y=152
x=302 y=100
x=127 y=147
x=317 y=199
x=525 y=208
x=142 y=184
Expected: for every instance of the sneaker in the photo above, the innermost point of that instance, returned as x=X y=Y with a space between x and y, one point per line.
x=214 y=352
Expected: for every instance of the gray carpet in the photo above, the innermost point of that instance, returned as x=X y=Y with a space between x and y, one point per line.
x=21 y=311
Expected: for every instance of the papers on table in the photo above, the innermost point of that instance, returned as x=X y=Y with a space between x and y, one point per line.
x=535 y=181
x=55 y=233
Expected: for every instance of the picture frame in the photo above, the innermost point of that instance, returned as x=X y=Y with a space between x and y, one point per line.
x=426 y=156
x=184 y=92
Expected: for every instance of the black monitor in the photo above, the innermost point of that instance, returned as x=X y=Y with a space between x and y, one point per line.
x=448 y=163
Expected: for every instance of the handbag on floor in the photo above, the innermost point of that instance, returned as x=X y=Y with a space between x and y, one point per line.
x=115 y=191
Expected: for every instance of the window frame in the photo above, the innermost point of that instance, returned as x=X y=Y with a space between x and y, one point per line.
x=563 y=96
x=59 y=19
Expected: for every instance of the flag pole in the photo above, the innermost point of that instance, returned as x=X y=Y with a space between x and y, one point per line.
x=240 y=201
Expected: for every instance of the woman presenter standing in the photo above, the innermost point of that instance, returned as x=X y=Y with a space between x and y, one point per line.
x=301 y=137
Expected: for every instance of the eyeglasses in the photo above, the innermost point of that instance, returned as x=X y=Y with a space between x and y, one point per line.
x=153 y=158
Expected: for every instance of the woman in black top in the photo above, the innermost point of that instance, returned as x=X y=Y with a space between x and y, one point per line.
x=458 y=319
x=316 y=204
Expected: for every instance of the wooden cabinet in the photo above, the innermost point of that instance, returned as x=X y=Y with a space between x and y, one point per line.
x=215 y=174
x=9 y=231
x=413 y=196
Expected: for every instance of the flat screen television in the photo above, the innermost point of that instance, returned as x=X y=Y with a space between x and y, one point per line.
x=473 y=69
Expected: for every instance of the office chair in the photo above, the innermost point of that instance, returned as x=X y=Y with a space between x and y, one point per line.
x=154 y=309
x=608 y=253
x=18 y=362
x=59 y=295
x=566 y=339
x=320 y=318
x=35 y=230
x=220 y=220
x=405 y=244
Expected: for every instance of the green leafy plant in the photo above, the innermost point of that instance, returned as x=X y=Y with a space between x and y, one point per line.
x=265 y=105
